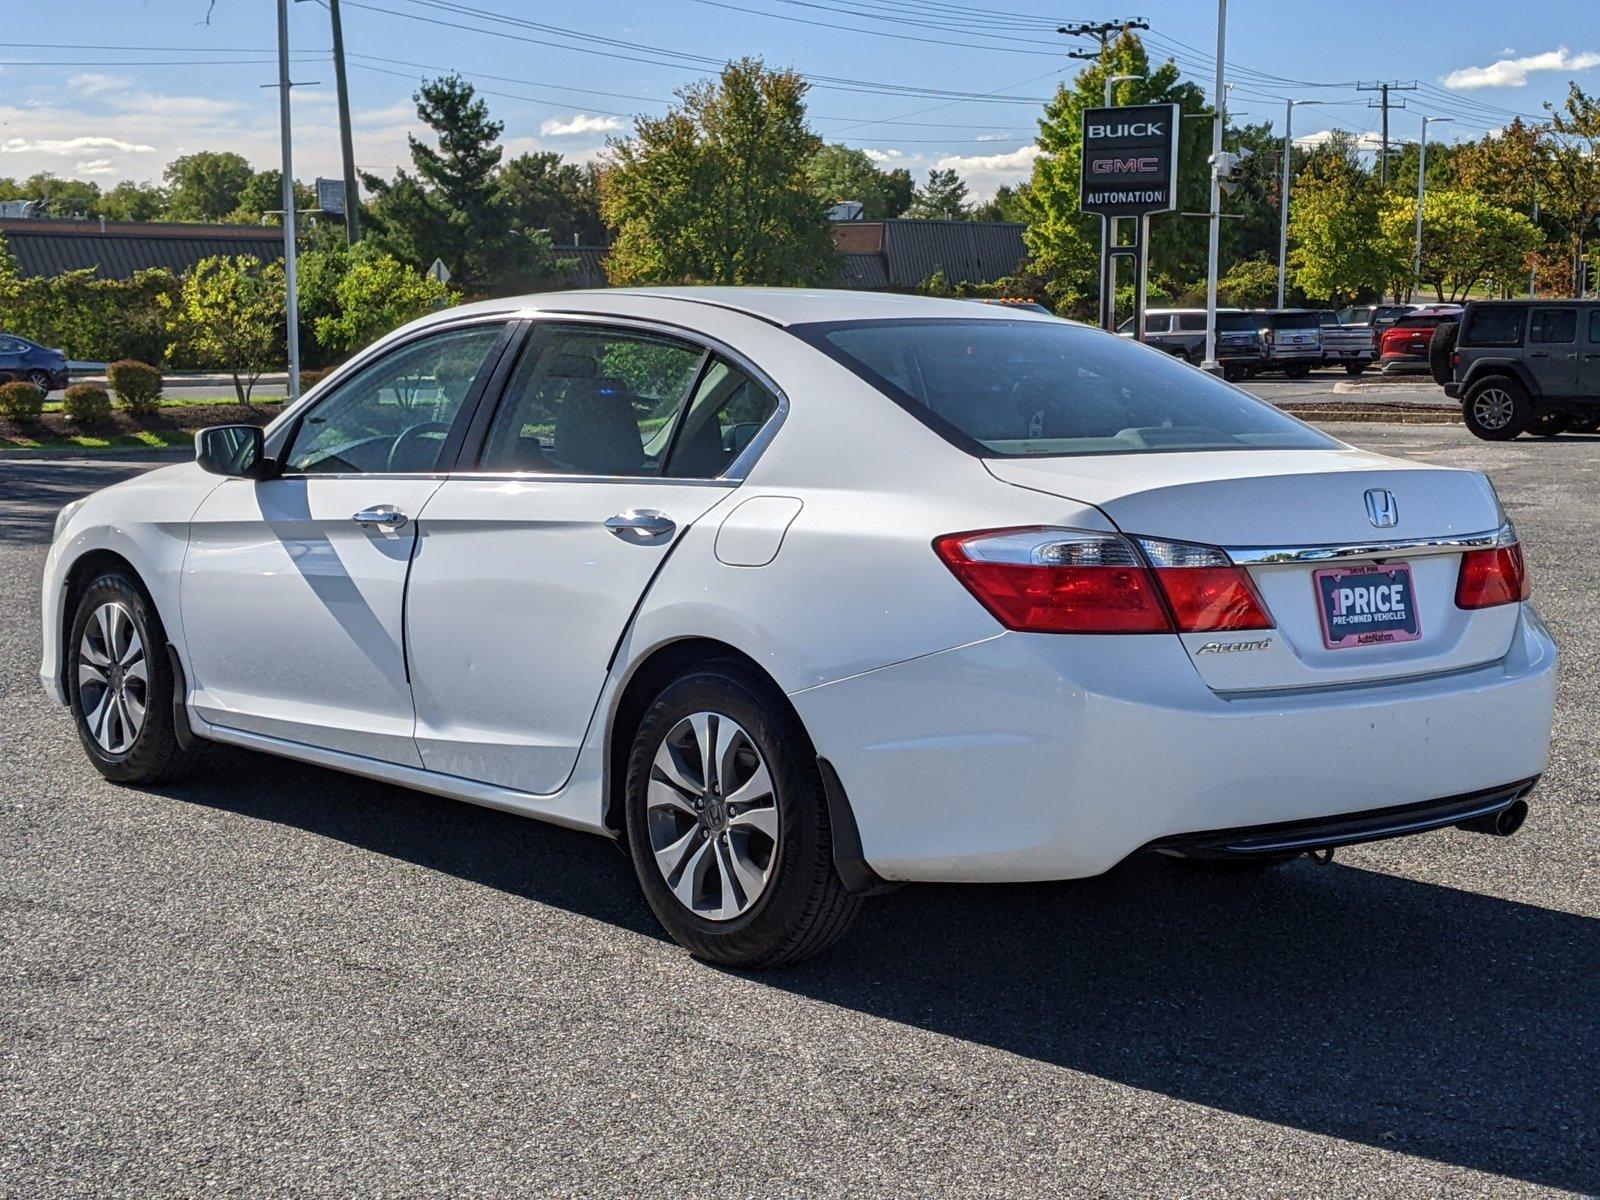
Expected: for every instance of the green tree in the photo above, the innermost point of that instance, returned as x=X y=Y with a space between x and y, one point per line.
x=838 y=173
x=376 y=294
x=1338 y=252
x=230 y=314
x=1467 y=241
x=715 y=191
x=546 y=192
x=1573 y=177
x=64 y=197
x=130 y=201
x=205 y=185
x=1008 y=204
x=1252 y=283
x=942 y=198
x=261 y=199
x=1064 y=244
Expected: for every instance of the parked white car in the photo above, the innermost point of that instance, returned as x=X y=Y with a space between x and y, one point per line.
x=803 y=593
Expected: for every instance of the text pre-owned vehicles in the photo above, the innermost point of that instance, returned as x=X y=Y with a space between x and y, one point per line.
x=802 y=592
x=1523 y=366
x=1404 y=345
x=1349 y=346
x=21 y=359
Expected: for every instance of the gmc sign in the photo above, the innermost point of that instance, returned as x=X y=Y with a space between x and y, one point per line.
x=1130 y=160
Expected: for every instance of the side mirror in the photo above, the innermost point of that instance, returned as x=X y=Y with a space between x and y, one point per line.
x=232 y=450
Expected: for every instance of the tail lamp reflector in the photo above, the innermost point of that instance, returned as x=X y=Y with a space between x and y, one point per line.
x=1493 y=577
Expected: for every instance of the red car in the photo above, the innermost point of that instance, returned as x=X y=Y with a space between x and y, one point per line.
x=1404 y=345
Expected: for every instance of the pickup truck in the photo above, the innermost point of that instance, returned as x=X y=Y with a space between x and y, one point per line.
x=1351 y=346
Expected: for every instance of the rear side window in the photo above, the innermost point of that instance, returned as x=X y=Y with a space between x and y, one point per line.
x=1031 y=388
x=1495 y=326
x=1553 y=326
x=1158 y=323
x=1192 y=322
x=1594 y=326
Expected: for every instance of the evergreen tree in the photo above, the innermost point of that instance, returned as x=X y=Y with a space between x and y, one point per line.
x=942 y=198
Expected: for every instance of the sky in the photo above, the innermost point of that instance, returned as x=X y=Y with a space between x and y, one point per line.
x=114 y=89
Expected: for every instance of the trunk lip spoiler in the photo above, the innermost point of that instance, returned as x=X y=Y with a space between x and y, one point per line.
x=1249 y=556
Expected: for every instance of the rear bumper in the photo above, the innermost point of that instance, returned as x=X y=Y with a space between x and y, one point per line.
x=1453 y=390
x=1031 y=757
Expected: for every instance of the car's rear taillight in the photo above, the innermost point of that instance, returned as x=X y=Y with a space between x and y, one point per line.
x=1039 y=580
x=1042 y=580
x=1207 y=592
x=1494 y=576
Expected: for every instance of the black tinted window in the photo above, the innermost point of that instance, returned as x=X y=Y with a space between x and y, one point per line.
x=1192 y=322
x=1499 y=325
x=728 y=410
x=1553 y=325
x=1235 y=323
x=1309 y=320
x=1594 y=326
x=1019 y=388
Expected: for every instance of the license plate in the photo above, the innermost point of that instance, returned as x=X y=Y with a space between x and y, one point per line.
x=1367 y=606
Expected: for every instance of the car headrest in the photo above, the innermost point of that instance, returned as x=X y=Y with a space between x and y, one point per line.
x=597 y=431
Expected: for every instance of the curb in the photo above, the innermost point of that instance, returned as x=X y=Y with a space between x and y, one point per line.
x=81 y=453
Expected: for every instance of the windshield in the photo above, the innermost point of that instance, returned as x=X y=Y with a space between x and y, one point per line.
x=1024 y=388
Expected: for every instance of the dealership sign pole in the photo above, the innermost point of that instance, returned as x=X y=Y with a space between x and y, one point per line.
x=1130 y=169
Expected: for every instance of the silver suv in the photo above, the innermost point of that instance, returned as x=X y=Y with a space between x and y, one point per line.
x=1521 y=366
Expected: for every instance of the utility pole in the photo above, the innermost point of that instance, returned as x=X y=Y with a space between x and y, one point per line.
x=352 y=201
x=1102 y=30
x=1219 y=100
x=1283 y=199
x=1533 y=271
x=1385 y=87
x=1422 y=169
x=292 y=294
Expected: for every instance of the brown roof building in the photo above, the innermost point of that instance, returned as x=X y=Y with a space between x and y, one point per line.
x=116 y=249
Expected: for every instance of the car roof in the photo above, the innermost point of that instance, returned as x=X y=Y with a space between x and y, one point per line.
x=776 y=306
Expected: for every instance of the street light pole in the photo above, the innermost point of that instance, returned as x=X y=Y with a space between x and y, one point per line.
x=1422 y=167
x=292 y=296
x=1283 y=215
x=1108 y=238
x=1213 y=247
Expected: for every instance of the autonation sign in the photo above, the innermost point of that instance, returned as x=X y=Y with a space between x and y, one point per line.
x=1130 y=160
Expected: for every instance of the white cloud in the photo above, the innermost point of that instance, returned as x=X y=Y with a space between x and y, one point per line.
x=91 y=84
x=986 y=172
x=997 y=137
x=68 y=147
x=582 y=123
x=98 y=166
x=1363 y=141
x=1514 y=72
x=885 y=156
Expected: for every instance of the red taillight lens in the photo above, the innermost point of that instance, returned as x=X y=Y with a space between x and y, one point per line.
x=1056 y=580
x=1040 y=580
x=1492 y=577
x=1206 y=591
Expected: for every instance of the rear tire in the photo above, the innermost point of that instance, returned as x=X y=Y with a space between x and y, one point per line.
x=1497 y=408
x=120 y=684
x=1299 y=371
x=1233 y=374
x=1585 y=423
x=1549 y=425
x=1355 y=368
x=736 y=860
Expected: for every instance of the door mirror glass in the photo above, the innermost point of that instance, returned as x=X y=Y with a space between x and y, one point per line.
x=232 y=450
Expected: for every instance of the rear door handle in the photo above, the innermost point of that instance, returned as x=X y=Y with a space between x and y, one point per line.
x=384 y=516
x=641 y=525
x=1538 y=354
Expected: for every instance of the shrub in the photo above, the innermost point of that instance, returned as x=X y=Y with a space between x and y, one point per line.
x=20 y=401
x=311 y=377
x=86 y=405
x=137 y=385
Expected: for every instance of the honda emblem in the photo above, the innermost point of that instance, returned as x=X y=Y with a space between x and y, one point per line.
x=1382 y=509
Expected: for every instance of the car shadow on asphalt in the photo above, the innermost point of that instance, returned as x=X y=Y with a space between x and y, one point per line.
x=1393 y=1013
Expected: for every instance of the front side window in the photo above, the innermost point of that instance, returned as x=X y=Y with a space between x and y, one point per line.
x=1024 y=388
x=394 y=414
x=1594 y=326
x=587 y=400
x=1494 y=325
x=1553 y=326
x=1158 y=323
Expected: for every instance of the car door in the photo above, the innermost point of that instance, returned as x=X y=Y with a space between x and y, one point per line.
x=608 y=443
x=1553 y=350
x=1589 y=376
x=11 y=355
x=293 y=586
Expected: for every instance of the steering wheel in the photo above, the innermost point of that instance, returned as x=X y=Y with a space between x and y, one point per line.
x=409 y=442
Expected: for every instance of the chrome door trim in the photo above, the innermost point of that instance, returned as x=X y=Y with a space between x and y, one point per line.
x=1247 y=556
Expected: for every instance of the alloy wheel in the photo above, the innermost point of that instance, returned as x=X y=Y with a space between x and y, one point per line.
x=1493 y=407
x=40 y=380
x=113 y=678
x=712 y=813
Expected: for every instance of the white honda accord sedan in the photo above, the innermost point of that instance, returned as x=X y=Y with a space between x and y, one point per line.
x=799 y=594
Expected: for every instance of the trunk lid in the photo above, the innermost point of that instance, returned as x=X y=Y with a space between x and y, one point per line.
x=1262 y=504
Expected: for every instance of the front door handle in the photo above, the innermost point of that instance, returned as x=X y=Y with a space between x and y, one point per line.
x=641 y=525
x=384 y=516
x=1538 y=354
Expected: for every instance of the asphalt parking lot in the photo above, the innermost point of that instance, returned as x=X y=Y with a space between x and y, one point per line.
x=275 y=980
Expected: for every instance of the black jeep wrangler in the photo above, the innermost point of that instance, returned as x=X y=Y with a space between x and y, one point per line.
x=1522 y=366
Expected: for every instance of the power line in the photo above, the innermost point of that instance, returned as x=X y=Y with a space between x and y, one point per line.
x=1385 y=87
x=1099 y=29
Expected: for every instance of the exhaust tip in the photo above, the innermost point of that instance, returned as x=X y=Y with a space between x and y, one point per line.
x=1503 y=823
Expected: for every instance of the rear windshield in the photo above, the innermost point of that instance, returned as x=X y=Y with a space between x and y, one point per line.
x=1236 y=323
x=1029 y=388
x=1300 y=320
x=1497 y=325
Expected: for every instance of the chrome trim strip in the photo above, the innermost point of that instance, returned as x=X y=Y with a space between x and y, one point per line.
x=1249 y=556
x=1374 y=834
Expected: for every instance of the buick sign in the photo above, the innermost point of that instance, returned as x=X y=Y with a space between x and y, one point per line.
x=1130 y=160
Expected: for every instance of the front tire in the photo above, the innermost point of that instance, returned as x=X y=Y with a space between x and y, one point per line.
x=40 y=380
x=728 y=824
x=121 y=684
x=1497 y=408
